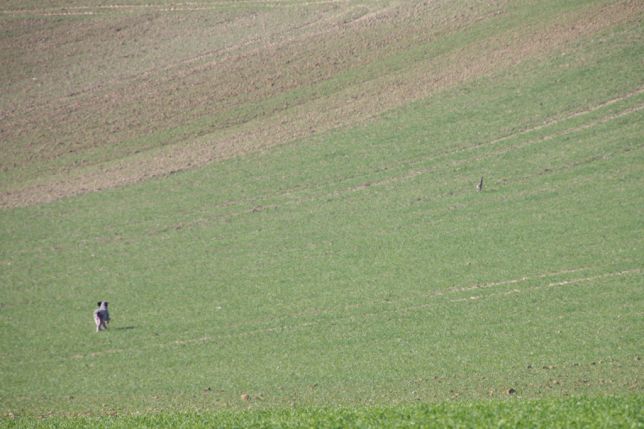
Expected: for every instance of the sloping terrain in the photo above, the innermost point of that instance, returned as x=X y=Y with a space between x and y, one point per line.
x=278 y=199
x=97 y=97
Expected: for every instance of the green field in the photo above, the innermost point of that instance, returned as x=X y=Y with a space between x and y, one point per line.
x=564 y=413
x=278 y=199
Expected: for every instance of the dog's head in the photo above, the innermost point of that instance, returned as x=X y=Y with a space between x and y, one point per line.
x=102 y=304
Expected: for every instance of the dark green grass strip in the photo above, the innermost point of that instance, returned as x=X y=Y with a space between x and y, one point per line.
x=599 y=412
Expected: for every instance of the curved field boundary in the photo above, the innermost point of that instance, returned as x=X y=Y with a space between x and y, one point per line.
x=411 y=168
x=355 y=105
x=407 y=170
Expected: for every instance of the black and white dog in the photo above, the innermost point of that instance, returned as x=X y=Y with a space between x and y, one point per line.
x=101 y=316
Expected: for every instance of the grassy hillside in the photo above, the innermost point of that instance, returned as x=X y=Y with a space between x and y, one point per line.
x=278 y=199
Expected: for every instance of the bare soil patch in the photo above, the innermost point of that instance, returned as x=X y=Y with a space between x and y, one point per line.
x=86 y=119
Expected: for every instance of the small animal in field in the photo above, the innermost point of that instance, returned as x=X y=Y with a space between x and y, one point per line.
x=479 y=187
x=101 y=316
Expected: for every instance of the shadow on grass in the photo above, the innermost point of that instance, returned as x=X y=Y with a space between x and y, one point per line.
x=123 y=328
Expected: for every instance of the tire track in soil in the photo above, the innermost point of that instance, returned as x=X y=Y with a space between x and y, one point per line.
x=399 y=307
x=363 y=304
x=255 y=205
x=273 y=40
x=250 y=205
x=447 y=154
x=411 y=174
x=556 y=121
x=403 y=310
x=551 y=285
x=173 y=7
x=345 y=109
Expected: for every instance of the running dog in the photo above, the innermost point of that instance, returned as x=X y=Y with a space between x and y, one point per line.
x=101 y=316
